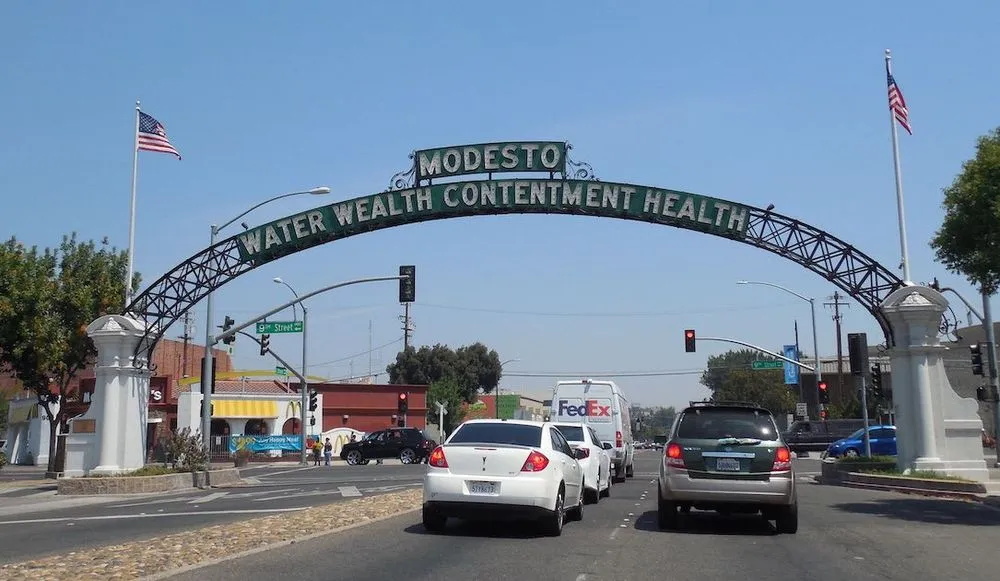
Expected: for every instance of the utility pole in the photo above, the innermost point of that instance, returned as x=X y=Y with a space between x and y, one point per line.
x=798 y=356
x=836 y=304
x=371 y=346
x=187 y=336
x=407 y=325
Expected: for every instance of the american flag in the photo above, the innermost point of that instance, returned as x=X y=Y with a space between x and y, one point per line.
x=897 y=104
x=153 y=136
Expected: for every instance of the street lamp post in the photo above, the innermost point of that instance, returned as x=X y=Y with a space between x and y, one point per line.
x=497 y=406
x=206 y=369
x=303 y=385
x=812 y=309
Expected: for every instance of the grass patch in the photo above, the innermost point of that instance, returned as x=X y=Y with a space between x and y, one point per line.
x=151 y=470
x=864 y=460
x=914 y=475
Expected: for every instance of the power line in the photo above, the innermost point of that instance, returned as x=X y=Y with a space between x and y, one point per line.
x=384 y=345
x=658 y=373
x=621 y=314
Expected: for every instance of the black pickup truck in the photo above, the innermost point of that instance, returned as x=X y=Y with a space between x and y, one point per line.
x=817 y=435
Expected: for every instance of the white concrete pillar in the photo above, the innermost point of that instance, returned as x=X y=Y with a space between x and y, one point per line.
x=936 y=429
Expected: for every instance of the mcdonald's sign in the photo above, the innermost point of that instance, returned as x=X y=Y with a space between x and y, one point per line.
x=294 y=409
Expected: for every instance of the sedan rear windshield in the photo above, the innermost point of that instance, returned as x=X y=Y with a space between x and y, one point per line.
x=499 y=433
x=572 y=433
x=714 y=424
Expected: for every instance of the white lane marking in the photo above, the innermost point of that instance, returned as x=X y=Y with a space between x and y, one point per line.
x=209 y=498
x=581 y=577
x=145 y=515
x=614 y=534
x=349 y=491
x=270 y=474
x=260 y=492
x=150 y=502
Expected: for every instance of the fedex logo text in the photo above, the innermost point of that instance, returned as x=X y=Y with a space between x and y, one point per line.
x=589 y=408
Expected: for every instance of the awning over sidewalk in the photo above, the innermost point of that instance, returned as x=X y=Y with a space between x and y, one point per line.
x=235 y=408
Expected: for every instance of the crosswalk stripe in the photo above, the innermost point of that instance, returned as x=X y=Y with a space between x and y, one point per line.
x=349 y=491
x=209 y=498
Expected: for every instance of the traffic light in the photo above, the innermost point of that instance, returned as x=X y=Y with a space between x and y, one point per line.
x=212 y=379
x=401 y=422
x=857 y=349
x=265 y=344
x=227 y=324
x=313 y=400
x=877 y=381
x=823 y=414
x=402 y=404
x=312 y=421
x=824 y=393
x=977 y=358
x=689 y=340
x=408 y=285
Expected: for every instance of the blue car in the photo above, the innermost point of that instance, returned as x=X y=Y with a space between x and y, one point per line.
x=882 y=438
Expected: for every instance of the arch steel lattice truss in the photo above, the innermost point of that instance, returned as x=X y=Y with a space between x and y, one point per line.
x=851 y=270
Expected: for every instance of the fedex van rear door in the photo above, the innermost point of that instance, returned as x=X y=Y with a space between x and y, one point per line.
x=590 y=404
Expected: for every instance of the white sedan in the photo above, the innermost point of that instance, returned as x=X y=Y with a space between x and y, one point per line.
x=504 y=469
x=595 y=460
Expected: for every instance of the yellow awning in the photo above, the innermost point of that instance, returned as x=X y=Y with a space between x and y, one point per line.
x=236 y=408
x=23 y=414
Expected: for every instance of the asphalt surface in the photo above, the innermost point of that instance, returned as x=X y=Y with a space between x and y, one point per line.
x=35 y=523
x=844 y=533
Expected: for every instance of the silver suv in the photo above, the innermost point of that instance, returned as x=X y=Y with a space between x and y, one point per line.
x=727 y=457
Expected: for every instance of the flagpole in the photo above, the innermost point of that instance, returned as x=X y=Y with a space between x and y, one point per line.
x=901 y=214
x=131 y=221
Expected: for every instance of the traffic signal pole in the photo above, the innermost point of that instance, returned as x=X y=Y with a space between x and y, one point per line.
x=757 y=348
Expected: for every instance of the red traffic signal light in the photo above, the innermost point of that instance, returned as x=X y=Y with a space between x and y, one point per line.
x=402 y=396
x=402 y=404
x=689 y=341
x=824 y=394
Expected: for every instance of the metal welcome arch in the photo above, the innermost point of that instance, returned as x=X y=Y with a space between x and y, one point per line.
x=413 y=197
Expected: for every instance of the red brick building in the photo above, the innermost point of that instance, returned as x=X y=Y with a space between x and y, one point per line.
x=369 y=407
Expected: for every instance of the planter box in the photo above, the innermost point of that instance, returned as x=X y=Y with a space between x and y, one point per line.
x=146 y=484
x=916 y=483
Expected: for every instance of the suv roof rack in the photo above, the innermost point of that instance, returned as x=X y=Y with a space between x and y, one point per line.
x=746 y=404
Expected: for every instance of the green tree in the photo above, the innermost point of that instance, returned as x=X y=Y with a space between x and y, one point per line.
x=730 y=378
x=475 y=368
x=449 y=392
x=47 y=300
x=968 y=242
x=652 y=421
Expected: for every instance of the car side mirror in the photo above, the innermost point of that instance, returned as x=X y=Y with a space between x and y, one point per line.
x=579 y=453
x=606 y=445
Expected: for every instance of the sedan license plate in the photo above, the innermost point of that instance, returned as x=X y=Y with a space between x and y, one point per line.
x=483 y=487
x=727 y=464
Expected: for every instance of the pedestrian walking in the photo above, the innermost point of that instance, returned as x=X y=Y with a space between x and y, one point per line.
x=327 y=451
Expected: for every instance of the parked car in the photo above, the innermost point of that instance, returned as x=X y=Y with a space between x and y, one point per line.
x=504 y=469
x=729 y=458
x=595 y=460
x=882 y=441
x=407 y=444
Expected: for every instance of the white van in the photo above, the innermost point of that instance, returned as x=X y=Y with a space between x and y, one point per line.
x=602 y=405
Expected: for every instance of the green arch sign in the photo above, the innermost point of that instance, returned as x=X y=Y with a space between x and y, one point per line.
x=515 y=195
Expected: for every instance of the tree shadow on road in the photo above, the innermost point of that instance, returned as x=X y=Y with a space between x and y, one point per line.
x=699 y=522
x=926 y=510
x=493 y=529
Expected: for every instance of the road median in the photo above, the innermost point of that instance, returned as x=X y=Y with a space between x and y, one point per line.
x=833 y=474
x=170 y=554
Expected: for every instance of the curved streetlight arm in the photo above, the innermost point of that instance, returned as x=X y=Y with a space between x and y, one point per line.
x=777 y=286
x=254 y=207
x=294 y=312
x=961 y=298
x=756 y=348
x=212 y=340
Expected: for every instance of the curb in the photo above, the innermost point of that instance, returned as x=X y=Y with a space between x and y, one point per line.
x=918 y=491
x=188 y=568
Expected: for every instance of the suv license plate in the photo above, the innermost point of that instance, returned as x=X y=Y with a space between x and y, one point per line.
x=481 y=487
x=727 y=465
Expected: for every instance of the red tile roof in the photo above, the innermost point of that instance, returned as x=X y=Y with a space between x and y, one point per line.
x=252 y=387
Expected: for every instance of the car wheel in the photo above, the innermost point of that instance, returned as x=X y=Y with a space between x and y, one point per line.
x=554 y=522
x=607 y=489
x=666 y=513
x=407 y=456
x=851 y=453
x=787 y=521
x=630 y=471
x=354 y=457
x=434 y=522
x=576 y=513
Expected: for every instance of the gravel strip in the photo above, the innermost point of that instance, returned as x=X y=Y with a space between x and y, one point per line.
x=150 y=556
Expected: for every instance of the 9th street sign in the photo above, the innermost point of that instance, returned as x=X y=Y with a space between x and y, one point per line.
x=279 y=327
x=765 y=364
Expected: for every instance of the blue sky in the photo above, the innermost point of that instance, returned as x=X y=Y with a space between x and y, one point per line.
x=764 y=102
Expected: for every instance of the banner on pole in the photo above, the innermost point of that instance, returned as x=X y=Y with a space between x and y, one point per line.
x=791 y=370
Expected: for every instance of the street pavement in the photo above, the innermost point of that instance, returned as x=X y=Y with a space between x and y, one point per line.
x=844 y=533
x=36 y=522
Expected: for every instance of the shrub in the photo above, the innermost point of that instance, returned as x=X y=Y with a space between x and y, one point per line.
x=3 y=459
x=185 y=451
x=152 y=471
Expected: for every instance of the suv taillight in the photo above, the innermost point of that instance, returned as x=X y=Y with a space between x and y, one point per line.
x=437 y=458
x=674 y=455
x=782 y=460
x=536 y=462
x=618 y=440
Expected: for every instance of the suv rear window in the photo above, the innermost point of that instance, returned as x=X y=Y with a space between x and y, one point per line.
x=716 y=423
x=571 y=433
x=498 y=433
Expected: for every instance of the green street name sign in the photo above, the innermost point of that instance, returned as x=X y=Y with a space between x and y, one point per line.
x=491 y=197
x=279 y=327
x=767 y=364
x=280 y=371
x=532 y=156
